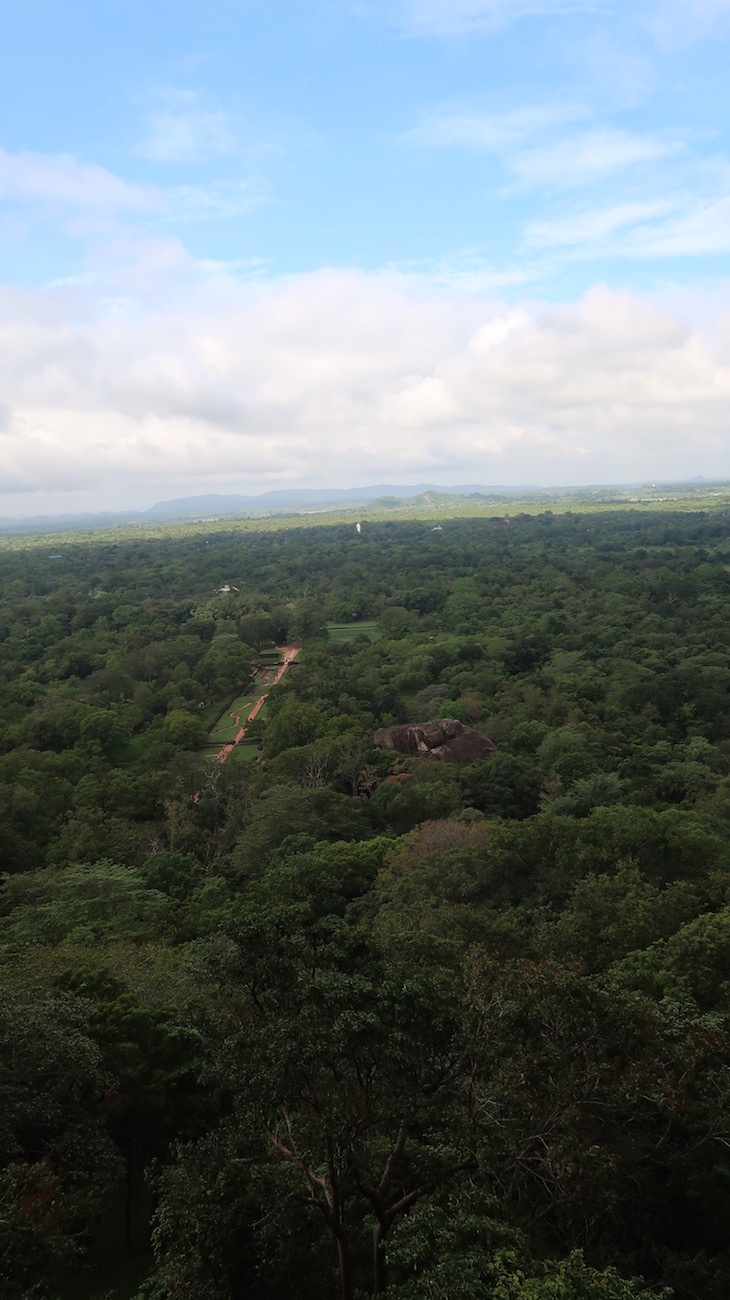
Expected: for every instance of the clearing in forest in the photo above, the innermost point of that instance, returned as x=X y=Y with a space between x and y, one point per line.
x=341 y=632
x=228 y=724
x=231 y=726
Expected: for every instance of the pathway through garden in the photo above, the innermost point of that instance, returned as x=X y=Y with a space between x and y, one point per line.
x=289 y=653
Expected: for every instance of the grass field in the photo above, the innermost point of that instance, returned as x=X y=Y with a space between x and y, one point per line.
x=245 y=752
x=209 y=714
x=341 y=632
x=224 y=731
x=226 y=728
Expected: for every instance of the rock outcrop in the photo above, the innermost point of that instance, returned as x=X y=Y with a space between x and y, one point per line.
x=447 y=740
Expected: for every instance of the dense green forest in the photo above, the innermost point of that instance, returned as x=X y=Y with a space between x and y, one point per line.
x=332 y=1021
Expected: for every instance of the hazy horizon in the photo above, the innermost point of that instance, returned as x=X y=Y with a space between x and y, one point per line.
x=509 y=490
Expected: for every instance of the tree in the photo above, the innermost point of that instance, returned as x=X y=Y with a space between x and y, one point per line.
x=505 y=785
x=218 y=1235
x=294 y=724
x=83 y=904
x=152 y=1062
x=184 y=729
x=56 y=1160
x=598 y=1108
x=348 y=1065
x=226 y=666
x=285 y=810
x=457 y=1245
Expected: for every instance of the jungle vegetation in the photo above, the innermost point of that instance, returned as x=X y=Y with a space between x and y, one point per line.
x=336 y=1022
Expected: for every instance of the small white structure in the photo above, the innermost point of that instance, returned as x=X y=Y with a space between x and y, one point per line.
x=358 y=528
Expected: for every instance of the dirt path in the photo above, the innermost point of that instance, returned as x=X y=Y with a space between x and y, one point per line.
x=290 y=653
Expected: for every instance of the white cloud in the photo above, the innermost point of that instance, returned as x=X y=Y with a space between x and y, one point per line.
x=703 y=10
x=678 y=226
x=551 y=160
x=678 y=23
x=497 y=330
x=468 y=272
x=700 y=229
x=218 y=202
x=612 y=64
x=495 y=132
x=340 y=377
x=591 y=156
x=58 y=180
x=182 y=128
x=461 y=17
x=671 y=23
x=87 y=193
x=594 y=227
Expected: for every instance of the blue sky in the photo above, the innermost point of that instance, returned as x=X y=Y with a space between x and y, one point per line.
x=331 y=243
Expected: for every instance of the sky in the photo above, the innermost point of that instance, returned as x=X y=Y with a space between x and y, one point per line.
x=333 y=243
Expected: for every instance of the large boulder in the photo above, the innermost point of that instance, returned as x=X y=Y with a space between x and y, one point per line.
x=447 y=740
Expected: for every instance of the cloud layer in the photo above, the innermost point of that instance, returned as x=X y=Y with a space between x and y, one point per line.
x=461 y=17
x=54 y=181
x=179 y=127
x=345 y=378
x=676 y=22
x=165 y=327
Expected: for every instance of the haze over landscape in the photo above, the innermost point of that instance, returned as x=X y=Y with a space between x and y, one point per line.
x=248 y=248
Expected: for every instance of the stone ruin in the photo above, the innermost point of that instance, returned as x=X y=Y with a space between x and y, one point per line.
x=447 y=740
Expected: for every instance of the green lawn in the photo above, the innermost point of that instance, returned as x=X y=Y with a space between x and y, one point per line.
x=244 y=752
x=223 y=732
x=209 y=714
x=341 y=632
x=226 y=728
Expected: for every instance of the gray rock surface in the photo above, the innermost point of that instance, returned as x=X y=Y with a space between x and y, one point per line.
x=447 y=740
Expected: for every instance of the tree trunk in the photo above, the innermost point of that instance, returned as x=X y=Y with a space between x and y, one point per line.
x=348 y=1290
x=379 y=1279
x=128 y=1199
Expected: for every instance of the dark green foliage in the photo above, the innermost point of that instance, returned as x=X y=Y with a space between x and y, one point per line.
x=56 y=1159
x=459 y=1245
x=83 y=905
x=374 y=1022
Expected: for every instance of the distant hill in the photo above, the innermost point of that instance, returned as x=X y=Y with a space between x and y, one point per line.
x=416 y=497
x=301 y=498
x=219 y=505
x=64 y=523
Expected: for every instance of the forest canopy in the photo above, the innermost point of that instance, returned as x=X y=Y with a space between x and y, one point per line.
x=329 y=1020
